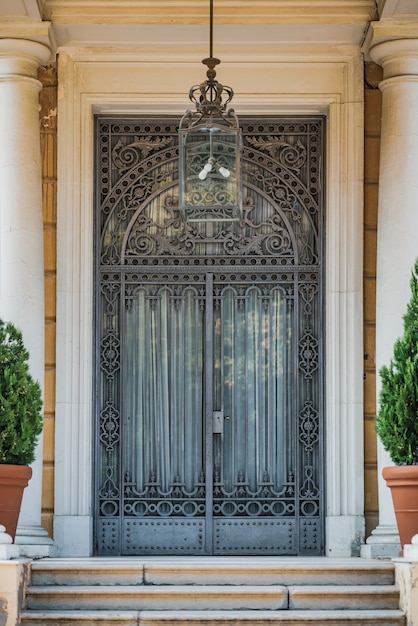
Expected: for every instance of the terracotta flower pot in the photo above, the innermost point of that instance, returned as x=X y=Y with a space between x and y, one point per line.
x=13 y=480
x=403 y=483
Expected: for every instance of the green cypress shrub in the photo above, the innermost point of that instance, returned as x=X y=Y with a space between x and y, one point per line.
x=397 y=419
x=20 y=400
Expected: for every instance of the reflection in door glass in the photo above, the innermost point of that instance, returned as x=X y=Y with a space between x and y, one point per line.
x=253 y=375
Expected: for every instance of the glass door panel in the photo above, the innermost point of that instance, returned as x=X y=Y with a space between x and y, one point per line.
x=253 y=374
x=163 y=397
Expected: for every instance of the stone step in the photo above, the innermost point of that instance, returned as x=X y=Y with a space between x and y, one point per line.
x=148 y=597
x=213 y=618
x=212 y=571
x=331 y=597
x=80 y=618
x=187 y=597
x=252 y=591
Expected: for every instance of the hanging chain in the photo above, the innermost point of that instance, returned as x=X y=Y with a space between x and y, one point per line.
x=211 y=30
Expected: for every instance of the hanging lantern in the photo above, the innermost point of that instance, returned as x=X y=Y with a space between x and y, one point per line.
x=210 y=147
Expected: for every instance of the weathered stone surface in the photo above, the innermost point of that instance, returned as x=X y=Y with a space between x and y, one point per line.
x=14 y=576
x=186 y=591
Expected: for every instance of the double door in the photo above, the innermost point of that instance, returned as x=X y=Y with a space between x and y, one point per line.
x=209 y=398
x=209 y=444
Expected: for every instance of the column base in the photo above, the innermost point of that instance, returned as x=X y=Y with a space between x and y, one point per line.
x=383 y=543
x=8 y=550
x=73 y=536
x=33 y=542
x=345 y=534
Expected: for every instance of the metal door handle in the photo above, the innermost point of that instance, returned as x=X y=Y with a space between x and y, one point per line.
x=218 y=423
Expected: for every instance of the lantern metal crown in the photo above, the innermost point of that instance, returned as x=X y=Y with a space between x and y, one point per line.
x=210 y=146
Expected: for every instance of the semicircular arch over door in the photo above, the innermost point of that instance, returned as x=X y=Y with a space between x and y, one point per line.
x=209 y=343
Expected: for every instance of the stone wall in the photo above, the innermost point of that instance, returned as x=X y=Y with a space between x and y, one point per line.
x=48 y=127
x=372 y=118
x=14 y=578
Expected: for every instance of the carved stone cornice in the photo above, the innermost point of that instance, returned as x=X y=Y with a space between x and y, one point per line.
x=87 y=23
x=196 y=12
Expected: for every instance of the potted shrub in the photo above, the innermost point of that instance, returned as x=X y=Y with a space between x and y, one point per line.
x=20 y=423
x=397 y=420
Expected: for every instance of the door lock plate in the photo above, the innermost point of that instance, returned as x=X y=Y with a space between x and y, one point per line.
x=218 y=422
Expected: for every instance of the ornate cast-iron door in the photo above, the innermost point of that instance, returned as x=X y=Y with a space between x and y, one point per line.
x=209 y=339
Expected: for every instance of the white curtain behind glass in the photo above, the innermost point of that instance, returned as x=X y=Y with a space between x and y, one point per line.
x=164 y=386
x=253 y=375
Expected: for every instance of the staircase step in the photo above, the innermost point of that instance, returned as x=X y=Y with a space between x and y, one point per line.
x=213 y=618
x=293 y=618
x=331 y=597
x=87 y=571
x=271 y=571
x=147 y=597
x=79 y=618
x=185 y=591
x=212 y=571
x=272 y=597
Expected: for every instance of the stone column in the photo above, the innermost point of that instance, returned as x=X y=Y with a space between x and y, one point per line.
x=397 y=245
x=21 y=236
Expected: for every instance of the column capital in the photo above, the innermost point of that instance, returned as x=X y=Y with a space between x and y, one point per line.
x=398 y=57
x=22 y=57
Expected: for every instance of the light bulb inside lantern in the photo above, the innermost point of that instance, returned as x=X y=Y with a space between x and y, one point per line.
x=223 y=171
x=206 y=169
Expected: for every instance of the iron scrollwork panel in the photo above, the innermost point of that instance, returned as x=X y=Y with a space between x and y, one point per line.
x=109 y=418
x=309 y=416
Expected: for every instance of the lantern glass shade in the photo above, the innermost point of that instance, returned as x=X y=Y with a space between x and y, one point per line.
x=210 y=173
